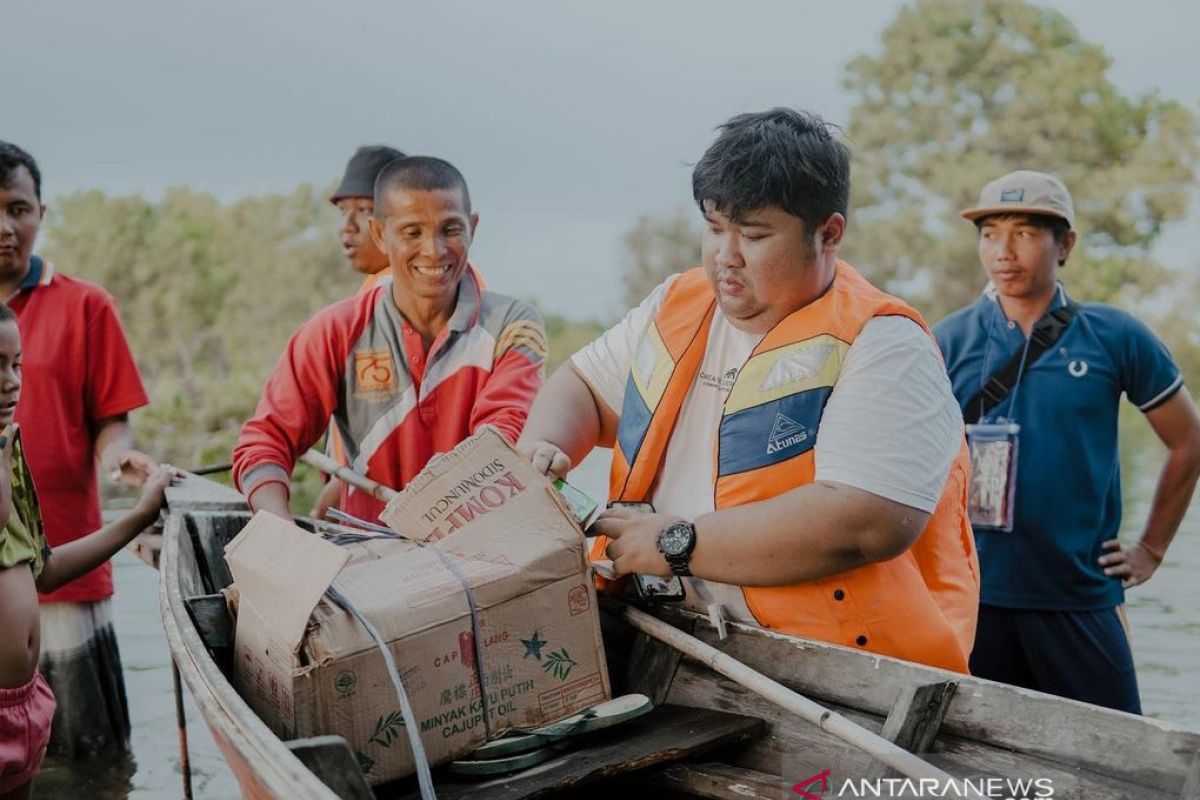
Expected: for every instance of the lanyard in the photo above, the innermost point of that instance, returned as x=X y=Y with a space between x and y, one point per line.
x=985 y=374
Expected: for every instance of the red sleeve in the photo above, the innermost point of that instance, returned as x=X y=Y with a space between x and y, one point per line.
x=505 y=397
x=112 y=385
x=296 y=404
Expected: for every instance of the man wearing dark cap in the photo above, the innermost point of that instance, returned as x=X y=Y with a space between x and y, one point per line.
x=406 y=370
x=355 y=201
x=1039 y=379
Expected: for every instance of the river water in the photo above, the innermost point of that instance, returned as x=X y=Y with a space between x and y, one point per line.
x=1164 y=615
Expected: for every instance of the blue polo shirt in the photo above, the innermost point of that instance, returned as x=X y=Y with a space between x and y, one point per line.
x=1068 y=495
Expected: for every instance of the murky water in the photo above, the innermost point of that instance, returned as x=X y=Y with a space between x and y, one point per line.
x=154 y=771
x=1164 y=614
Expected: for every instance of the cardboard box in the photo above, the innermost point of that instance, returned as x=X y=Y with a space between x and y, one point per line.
x=307 y=667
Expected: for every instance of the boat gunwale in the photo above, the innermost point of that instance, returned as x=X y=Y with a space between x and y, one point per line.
x=975 y=715
x=269 y=760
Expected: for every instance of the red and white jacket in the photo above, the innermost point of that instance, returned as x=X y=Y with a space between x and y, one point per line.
x=359 y=363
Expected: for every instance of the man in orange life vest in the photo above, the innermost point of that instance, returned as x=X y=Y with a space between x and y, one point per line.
x=792 y=425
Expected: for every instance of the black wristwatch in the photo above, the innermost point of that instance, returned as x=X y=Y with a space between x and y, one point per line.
x=676 y=543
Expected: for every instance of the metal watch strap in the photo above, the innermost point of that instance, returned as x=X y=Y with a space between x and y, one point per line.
x=679 y=564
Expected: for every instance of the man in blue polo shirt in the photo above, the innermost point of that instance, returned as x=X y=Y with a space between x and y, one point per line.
x=1053 y=571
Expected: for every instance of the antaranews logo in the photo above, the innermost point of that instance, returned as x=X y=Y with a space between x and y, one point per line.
x=815 y=787
x=801 y=788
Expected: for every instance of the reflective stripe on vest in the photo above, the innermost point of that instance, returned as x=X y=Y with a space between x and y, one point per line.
x=920 y=606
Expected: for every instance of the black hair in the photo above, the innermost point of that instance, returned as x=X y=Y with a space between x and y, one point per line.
x=782 y=157
x=1057 y=226
x=418 y=172
x=11 y=159
x=6 y=313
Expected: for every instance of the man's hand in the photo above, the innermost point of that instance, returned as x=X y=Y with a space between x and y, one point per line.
x=547 y=458
x=328 y=498
x=131 y=467
x=634 y=540
x=1133 y=565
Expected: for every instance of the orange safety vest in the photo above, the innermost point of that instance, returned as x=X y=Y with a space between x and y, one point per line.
x=921 y=605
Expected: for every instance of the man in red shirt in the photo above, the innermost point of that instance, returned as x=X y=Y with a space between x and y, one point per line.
x=80 y=383
x=406 y=370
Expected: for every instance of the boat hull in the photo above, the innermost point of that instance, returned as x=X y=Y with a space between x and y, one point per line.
x=988 y=729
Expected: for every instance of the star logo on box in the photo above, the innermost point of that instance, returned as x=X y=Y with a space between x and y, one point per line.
x=533 y=646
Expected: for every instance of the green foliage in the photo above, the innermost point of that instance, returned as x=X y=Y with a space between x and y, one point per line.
x=1178 y=330
x=559 y=663
x=387 y=728
x=365 y=762
x=566 y=336
x=967 y=90
x=656 y=247
x=209 y=294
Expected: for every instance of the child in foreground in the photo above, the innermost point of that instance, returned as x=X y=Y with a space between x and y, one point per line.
x=27 y=566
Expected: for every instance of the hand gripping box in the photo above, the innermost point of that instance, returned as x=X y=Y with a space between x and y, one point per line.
x=307 y=667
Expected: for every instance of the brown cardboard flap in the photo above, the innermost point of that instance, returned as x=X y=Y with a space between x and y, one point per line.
x=459 y=491
x=281 y=570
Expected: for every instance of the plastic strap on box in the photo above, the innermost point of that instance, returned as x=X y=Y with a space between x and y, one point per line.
x=476 y=630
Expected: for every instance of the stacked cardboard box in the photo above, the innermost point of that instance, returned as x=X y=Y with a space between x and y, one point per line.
x=308 y=667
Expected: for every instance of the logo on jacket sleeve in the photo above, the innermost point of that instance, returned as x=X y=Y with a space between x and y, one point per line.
x=374 y=372
x=785 y=433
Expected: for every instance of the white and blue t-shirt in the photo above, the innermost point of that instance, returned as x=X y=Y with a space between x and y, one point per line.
x=1068 y=494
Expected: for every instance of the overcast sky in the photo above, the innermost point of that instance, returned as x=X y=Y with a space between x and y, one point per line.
x=568 y=119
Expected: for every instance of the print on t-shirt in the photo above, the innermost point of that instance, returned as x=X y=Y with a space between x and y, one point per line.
x=723 y=383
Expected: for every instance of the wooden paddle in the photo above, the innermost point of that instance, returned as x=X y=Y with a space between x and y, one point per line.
x=851 y=733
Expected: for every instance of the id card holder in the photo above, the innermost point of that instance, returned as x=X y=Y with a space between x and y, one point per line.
x=993 y=448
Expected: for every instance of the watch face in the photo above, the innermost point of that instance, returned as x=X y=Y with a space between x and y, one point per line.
x=675 y=539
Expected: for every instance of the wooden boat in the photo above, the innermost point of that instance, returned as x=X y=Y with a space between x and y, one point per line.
x=973 y=729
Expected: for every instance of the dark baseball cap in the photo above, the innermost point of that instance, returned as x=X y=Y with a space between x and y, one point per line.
x=362 y=169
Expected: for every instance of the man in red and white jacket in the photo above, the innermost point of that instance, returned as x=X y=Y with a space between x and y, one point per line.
x=406 y=370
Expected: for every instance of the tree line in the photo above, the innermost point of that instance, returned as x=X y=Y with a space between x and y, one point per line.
x=960 y=92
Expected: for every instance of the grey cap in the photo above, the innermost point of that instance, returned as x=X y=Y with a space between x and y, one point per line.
x=1024 y=192
x=362 y=169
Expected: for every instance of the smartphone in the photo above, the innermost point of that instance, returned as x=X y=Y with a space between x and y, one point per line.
x=656 y=589
x=651 y=587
